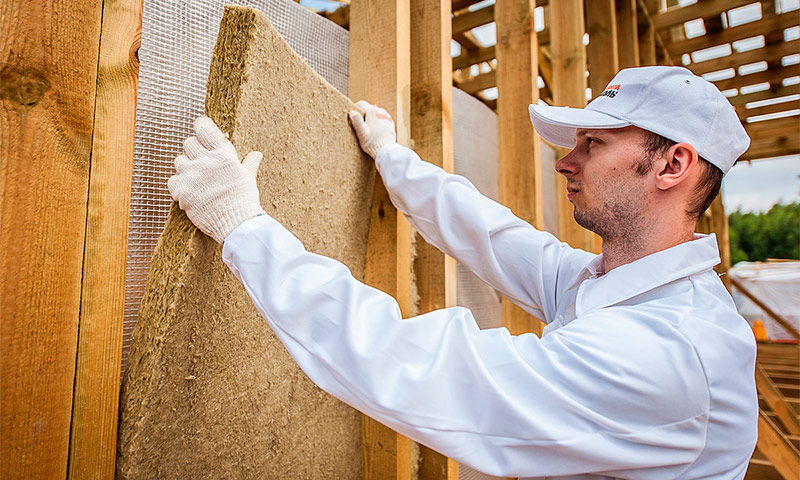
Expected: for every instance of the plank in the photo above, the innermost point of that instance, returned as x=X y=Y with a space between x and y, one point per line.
x=769 y=53
x=380 y=40
x=772 y=75
x=646 y=34
x=776 y=401
x=519 y=156
x=778 y=450
x=627 y=32
x=768 y=23
x=767 y=109
x=569 y=88
x=48 y=77
x=786 y=325
x=93 y=437
x=479 y=82
x=678 y=15
x=432 y=130
x=470 y=20
x=775 y=127
x=602 y=52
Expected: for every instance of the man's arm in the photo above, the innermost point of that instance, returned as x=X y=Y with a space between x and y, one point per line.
x=585 y=399
x=526 y=265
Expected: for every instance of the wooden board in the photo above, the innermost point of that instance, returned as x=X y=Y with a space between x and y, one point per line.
x=380 y=73
x=93 y=438
x=432 y=132
x=519 y=159
x=209 y=391
x=48 y=76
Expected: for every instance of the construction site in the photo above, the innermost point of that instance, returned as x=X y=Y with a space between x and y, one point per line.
x=129 y=350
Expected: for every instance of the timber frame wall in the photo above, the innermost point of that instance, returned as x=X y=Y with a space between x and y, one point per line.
x=68 y=75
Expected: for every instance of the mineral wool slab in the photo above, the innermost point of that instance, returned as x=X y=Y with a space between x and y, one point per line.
x=209 y=391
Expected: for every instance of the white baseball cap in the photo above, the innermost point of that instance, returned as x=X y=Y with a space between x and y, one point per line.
x=669 y=101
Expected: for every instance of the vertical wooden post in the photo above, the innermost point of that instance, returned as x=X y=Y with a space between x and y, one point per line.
x=627 y=32
x=719 y=225
x=569 y=89
x=93 y=437
x=48 y=76
x=646 y=33
x=520 y=151
x=380 y=74
x=602 y=51
x=432 y=132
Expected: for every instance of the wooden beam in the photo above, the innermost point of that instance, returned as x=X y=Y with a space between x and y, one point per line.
x=770 y=312
x=772 y=75
x=768 y=23
x=93 y=437
x=767 y=109
x=480 y=82
x=519 y=155
x=772 y=147
x=470 y=20
x=778 y=450
x=707 y=8
x=48 y=78
x=775 y=91
x=467 y=59
x=569 y=89
x=774 y=398
x=602 y=52
x=778 y=126
x=647 y=36
x=627 y=33
x=769 y=53
x=380 y=73
x=432 y=130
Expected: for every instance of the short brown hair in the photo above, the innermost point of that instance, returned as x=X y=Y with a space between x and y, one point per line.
x=706 y=189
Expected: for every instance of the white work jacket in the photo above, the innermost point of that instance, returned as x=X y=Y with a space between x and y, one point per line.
x=644 y=372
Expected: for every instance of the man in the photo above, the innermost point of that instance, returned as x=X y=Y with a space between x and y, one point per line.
x=645 y=370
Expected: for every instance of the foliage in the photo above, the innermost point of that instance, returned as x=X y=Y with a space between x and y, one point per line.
x=757 y=237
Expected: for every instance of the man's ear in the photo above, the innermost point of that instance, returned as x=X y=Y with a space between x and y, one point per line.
x=678 y=163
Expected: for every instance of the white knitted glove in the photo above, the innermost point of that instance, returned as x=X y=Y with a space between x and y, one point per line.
x=217 y=191
x=376 y=131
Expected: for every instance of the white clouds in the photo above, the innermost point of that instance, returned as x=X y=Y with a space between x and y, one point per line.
x=762 y=183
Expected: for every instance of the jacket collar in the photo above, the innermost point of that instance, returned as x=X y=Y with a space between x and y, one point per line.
x=645 y=274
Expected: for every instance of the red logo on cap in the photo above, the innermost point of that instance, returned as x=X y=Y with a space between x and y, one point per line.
x=611 y=91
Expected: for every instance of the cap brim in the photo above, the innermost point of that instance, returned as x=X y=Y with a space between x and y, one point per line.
x=557 y=125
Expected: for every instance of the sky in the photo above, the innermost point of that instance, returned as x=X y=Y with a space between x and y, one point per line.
x=756 y=186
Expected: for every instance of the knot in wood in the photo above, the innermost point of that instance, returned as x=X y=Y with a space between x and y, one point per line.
x=25 y=87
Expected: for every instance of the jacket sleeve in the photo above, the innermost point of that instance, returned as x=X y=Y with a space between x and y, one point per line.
x=528 y=266
x=505 y=405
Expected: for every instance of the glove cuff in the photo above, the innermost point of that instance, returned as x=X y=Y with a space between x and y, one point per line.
x=228 y=219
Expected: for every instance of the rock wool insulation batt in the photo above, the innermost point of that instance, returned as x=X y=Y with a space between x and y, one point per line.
x=209 y=391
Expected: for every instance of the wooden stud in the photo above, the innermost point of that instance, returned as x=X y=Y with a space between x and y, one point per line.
x=48 y=77
x=380 y=73
x=719 y=225
x=772 y=147
x=94 y=412
x=778 y=450
x=647 y=36
x=470 y=20
x=569 y=89
x=480 y=82
x=627 y=33
x=767 y=109
x=602 y=51
x=432 y=132
x=519 y=156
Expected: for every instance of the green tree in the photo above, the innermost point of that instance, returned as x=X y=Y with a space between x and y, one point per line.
x=774 y=234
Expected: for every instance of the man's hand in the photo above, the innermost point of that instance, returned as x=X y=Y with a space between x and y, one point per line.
x=217 y=191
x=374 y=132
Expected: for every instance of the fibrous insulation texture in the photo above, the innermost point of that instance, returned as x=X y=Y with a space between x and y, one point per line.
x=209 y=391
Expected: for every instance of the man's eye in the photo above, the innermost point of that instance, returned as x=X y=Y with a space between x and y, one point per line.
x=590 y=140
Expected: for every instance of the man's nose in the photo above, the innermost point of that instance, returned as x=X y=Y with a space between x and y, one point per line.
x=568 y=164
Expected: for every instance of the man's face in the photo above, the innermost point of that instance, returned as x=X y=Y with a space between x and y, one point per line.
x=609 y=195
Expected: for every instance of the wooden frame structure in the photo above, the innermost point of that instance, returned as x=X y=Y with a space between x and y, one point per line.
x=68 y=94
